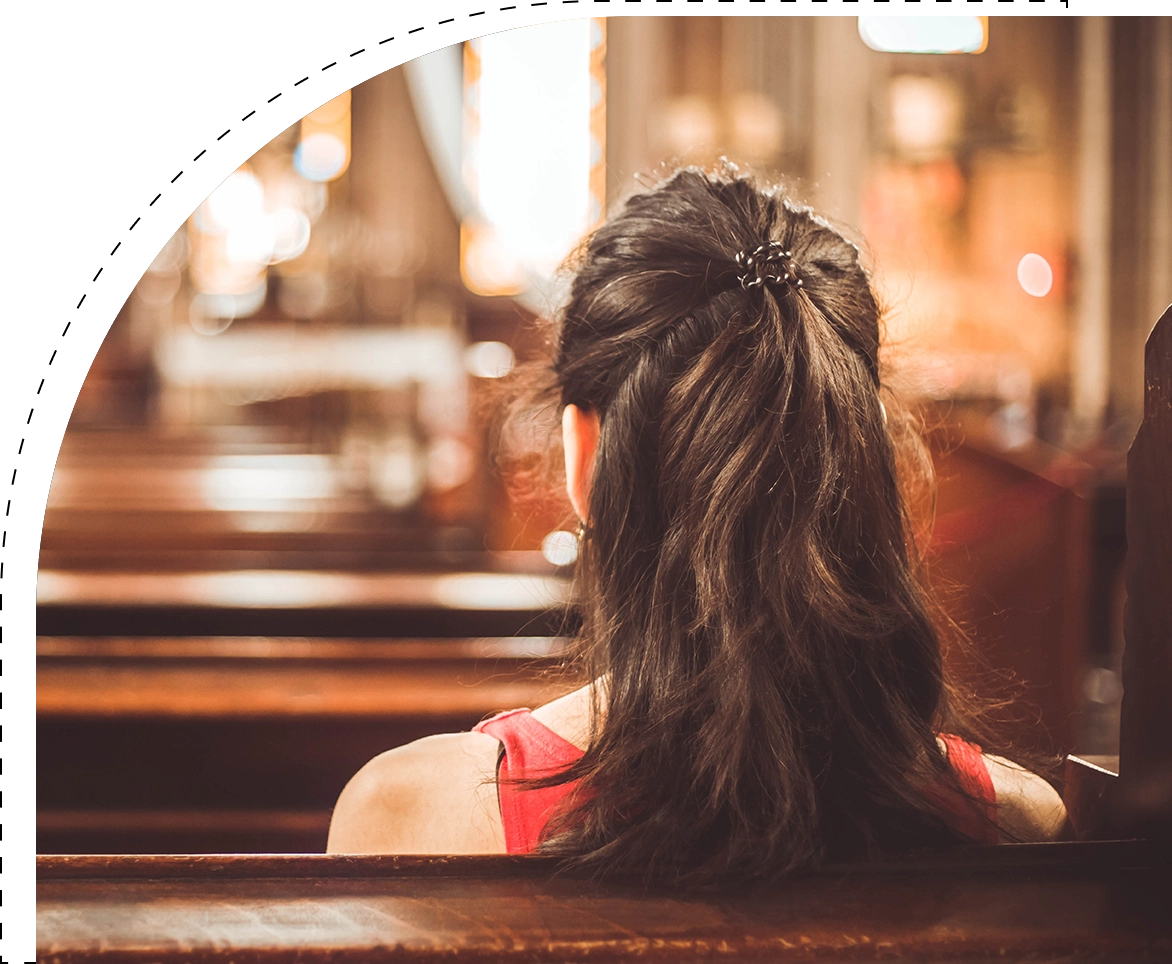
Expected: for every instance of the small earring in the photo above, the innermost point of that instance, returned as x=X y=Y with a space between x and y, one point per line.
x=583 y=531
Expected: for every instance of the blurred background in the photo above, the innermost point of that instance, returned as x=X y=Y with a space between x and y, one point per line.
x=280 y=538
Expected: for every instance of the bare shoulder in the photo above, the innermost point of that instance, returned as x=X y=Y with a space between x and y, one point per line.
x=1028 y=808
x=436 y=795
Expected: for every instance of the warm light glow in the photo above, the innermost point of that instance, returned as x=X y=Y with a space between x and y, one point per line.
x=267 y=589
x=690 y=125
x=269 y=483
x=450 y=463
x=397 y=471
x=324 y=151
x=560 y=548
x=1035 y=275
x=283 y=361
x=238 y=201
x=489 y=359
x=212 y=313
x=487 y=264
x=251 y=242
x=533 y=144
x=926 y=115
x=758 y=128
x=498 y=591
x=290 y=233
x=925 y=35
x=244 y=226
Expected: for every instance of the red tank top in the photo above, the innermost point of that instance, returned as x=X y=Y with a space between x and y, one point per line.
x=533 y=750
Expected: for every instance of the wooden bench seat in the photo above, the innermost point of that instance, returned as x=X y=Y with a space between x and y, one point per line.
x=1056 y=902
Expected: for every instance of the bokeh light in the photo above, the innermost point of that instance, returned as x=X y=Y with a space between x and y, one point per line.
x=291 y=231
x=560 y=548
x=489 y=359
x=320 y=157
x=240 y=199
x=1035 y=275
x=450 y=463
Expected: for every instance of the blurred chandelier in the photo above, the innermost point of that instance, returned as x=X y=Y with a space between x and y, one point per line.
x=925 y=35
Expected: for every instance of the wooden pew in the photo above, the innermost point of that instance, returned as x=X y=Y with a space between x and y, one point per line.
x=1144 y=802
x=159 y=742
x=1055 y=902
x=266 y=742
x=239 y=500
x=300 y=603
x=242 y=744
x=1131 y=795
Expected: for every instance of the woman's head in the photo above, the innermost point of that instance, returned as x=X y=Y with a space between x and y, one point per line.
x=744 y=421
x=673 y=273
x=671 y=254
x=774 y=678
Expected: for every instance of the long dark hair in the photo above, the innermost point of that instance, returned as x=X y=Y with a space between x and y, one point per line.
x=773 y=677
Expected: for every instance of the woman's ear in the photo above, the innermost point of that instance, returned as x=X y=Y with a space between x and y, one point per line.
x=580 y=428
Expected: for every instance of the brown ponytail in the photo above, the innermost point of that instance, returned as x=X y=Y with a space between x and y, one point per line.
x=774 y=677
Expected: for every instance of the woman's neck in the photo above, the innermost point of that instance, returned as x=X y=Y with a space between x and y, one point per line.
x=570 y=716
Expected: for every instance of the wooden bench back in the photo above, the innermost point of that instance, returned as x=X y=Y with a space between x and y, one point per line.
x=1145 y=750
x=1093 y=902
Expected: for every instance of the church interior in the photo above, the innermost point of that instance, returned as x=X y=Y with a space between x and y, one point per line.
x=285 y=531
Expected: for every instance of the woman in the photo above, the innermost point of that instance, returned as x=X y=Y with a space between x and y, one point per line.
x=769 y=690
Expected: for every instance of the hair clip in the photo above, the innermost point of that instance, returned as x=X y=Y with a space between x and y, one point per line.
x=769 y=263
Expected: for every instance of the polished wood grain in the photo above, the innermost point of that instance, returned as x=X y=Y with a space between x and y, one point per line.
x=1102 y=905
x=226 y=692
x=238 y=678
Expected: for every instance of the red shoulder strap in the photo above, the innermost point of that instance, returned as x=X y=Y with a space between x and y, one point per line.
x=532 y=750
